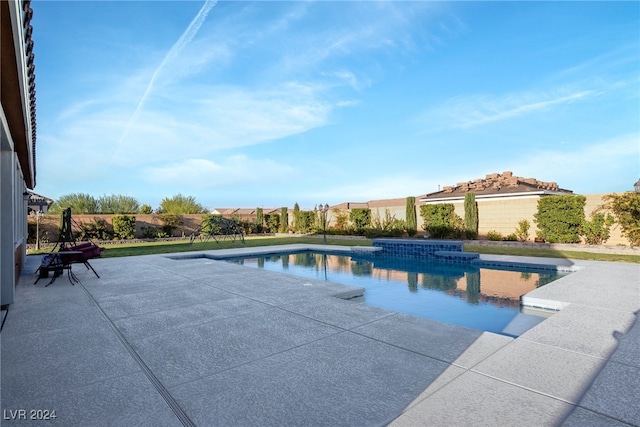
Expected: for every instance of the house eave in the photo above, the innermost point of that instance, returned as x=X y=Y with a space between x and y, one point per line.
x=490 y=197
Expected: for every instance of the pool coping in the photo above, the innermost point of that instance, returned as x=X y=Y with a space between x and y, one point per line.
x=532 y=304
x=504 y=261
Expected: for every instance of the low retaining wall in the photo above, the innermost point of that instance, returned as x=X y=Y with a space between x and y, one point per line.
x=577 y=247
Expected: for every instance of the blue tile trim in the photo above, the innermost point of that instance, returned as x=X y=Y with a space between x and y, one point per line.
x=423 y=249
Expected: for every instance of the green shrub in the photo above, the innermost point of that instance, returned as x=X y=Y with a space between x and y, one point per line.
x=118 y=204
x=598 y=230
x=522 y=232
x=494 y=236
x=273 y=222
x=511 y=237
x=210 y=224
x=560 y=218
x=360 y=217
x=124 y=226
x=247 y=226
x=170 y=223
x=306 y=222
x=149 y=232
x=441 y=221
x=80 y=203
x=342 y=219
x=388 y=226
x=372 y=233
x=626 y=209
x=181 y=205
x=217 y=225
x=146 y=209
x=97 y=230
x=31 y=232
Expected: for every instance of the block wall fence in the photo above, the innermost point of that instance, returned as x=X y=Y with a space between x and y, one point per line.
x=503 y=215
x=496 y=215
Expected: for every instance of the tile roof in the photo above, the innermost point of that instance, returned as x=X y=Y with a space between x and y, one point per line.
x=31 y=76
x=498 y=185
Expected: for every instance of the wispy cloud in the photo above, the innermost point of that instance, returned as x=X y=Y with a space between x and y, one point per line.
x=173 y=53
x=610 y=60
x=202 y=174
x=464 y=112
x=178 y=111
x=601 y=161
x=350 y=78
x=357 y=29
x=492 y=110
x=198 y=121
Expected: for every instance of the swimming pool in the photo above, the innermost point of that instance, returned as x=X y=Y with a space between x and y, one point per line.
x=467 y=295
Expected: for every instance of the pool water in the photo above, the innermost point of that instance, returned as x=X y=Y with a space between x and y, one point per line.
x=467 y=295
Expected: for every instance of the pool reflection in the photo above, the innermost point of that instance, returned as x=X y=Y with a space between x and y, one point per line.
x=474 y=284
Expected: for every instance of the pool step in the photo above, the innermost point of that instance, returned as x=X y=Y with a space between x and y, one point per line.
x=365 y=249
x=455 y=256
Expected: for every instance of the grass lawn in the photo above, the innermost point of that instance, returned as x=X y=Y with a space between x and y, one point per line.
x=149 y=248
x=552 y=253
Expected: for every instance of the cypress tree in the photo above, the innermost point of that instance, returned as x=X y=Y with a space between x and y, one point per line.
x=296 y=217
x=284 y=219
x=470 y=215
x=412 y=222
x=259 y=219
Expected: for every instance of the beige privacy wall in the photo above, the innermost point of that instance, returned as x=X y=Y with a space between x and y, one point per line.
x=503 y=216
x=497 y=215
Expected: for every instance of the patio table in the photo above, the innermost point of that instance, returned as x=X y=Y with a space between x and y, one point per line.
x=58 y=262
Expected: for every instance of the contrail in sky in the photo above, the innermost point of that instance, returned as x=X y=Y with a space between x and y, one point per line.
x=182 y=42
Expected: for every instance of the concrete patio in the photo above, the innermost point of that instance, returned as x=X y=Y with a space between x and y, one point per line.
x=166 y=342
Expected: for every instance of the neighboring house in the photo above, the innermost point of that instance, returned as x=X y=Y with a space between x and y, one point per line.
x=496 y=186
x=239 y=213
x=503 y=200
x=38 y=203
x=350 y=205
x=17 y=139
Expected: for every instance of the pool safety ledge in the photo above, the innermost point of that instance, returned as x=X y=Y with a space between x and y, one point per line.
x=452 y=251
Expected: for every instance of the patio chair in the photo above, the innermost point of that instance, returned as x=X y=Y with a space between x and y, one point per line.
x=68 y=253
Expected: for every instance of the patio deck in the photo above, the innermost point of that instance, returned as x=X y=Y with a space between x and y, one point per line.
x=164 y=342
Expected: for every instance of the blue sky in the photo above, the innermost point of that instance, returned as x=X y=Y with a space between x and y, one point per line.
x=245 y=104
